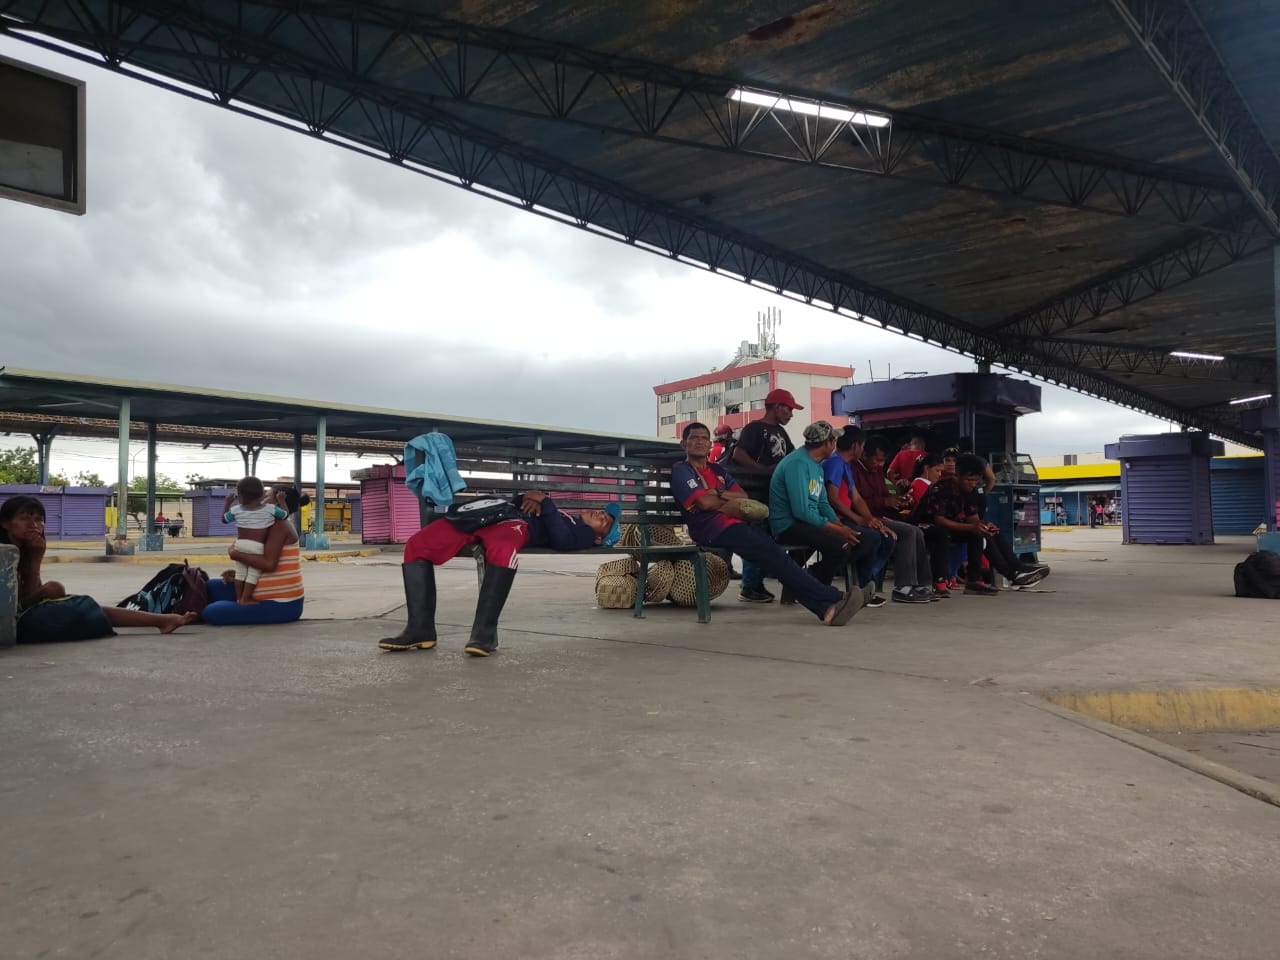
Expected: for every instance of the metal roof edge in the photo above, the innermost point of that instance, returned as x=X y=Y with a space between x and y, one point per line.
x=202 y=393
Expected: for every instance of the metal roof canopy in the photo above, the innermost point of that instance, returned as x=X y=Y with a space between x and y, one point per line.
x=37 y=392
x=1070 y=190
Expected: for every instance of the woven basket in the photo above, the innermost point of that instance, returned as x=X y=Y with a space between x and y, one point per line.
x=622 y=567
x=684 y=587
x=659 y=536
x=658 y=581
x=615 y=592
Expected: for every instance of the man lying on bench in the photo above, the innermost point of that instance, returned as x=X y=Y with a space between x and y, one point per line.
x=538 y=524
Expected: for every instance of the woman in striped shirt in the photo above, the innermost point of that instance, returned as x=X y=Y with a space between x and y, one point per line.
x=278 y=598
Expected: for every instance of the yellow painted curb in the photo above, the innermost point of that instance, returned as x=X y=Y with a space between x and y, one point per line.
x=1207 y=708
x=1254 y=787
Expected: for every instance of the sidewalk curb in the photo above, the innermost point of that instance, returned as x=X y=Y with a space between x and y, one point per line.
x=1251 y=786
x=152 y=558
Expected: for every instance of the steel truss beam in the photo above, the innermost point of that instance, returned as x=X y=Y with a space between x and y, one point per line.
x=1175 y=41
x=363 y=116
x=421 y=57
x=1165 y=268
x=1155 y=361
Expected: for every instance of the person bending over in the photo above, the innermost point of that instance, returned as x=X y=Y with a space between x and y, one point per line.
x=710 y=501
x=911 y=572
x=540 y=524
x=799 y=512
x=949 y=509
x=46 y=612
x=902 y=466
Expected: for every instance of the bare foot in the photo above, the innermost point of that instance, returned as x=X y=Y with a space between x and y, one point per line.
x=175 y=620
x=830 y=614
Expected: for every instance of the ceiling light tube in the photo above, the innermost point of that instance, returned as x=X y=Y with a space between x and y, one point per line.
x=1261 y=396
x=1188 y=355
x=808 y=108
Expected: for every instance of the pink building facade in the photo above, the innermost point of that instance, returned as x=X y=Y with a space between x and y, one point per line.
x=735 y=395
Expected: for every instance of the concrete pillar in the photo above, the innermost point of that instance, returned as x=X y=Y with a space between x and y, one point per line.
x=319 y=540
x=8 y=594
x=122 y=474
x=151 y=474
x=296 y=518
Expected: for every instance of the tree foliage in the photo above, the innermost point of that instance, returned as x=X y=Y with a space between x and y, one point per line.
x=21 y=465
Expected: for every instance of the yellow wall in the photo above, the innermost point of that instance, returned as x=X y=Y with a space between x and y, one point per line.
x=1082 y=471
x=337 y=515
x=1093 y=471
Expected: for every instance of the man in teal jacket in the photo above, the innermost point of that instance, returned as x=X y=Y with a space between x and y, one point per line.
x=799 y=511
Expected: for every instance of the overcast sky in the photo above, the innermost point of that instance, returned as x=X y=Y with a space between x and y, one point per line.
x=222 y=252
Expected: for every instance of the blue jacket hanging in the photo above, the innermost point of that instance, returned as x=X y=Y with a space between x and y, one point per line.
x=431 y=468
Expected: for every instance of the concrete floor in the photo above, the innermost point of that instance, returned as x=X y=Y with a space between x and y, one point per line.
x=762 y=787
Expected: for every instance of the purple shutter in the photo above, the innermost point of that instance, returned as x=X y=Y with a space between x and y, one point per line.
x=1167 y=500
x=84 y=512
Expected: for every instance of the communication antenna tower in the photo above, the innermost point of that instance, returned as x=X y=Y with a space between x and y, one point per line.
x=767 y=324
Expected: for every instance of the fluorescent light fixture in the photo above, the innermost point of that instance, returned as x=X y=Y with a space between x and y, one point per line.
x=1187 y=355
x=808 y=108
x=1261 y=396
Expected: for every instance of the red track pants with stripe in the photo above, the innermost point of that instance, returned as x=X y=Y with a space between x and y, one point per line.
x=440 y=541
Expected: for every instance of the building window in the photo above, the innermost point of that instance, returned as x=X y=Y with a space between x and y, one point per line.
x=734 y=384
x=759 y=378
x=757 y=404
x=733 y=408
x=667 y=421
x=666 y=398
x=1069 y=460
x=688 y=394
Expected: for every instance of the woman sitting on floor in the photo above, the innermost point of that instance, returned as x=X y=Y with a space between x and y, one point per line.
x=278 y=598
x=46 y=612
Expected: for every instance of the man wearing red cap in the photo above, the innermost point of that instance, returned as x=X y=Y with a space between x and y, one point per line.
x=761 y=446
x=724 y=441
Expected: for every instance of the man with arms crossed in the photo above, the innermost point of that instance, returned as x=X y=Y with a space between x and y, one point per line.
x=711 y=502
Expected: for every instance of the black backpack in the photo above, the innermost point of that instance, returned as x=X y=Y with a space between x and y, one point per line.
x=178 y=588
x=1258 y=575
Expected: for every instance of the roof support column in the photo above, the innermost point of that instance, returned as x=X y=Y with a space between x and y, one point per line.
x=317 y=539
x=122 y=474
x=249 y=454
x=44 y=449
x=153 y=537
x=1270 y=417
x=296 y=517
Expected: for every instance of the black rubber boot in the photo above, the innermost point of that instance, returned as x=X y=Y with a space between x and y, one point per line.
x=420 y=599
x=493 y=596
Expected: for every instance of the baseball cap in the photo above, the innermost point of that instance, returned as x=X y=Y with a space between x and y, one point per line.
x=782 y=396
x=613 y=509
x=723 y=430
x=818 y=433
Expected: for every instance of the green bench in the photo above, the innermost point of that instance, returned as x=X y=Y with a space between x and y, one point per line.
x=579 y=481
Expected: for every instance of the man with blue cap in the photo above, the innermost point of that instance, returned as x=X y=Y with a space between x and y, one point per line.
x=539 y=524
